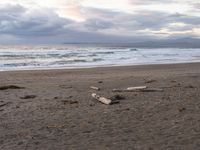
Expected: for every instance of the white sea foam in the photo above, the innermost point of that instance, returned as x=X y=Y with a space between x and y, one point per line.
x=47 y=57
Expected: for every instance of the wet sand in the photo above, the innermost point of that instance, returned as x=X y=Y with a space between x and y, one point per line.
x=53 y=109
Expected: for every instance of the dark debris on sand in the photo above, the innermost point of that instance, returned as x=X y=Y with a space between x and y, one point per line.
x=10 y=87
x=4 y=104
x=150 y=81
x=69 y=102
x=117 y=97
x=29 y=97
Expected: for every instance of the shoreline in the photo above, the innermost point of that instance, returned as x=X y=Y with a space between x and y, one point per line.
x=53 y=109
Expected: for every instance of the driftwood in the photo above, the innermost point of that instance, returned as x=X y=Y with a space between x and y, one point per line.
x=95 y=88
x=101 y=99
x=138 y=89
x=130 y=89
x=152 y=90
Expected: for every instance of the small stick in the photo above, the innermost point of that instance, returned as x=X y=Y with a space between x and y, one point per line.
x=101 y=99
x=138 y=89
x=95 y=88
x=130 y=89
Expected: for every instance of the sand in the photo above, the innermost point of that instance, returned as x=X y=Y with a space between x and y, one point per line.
x=54 y=110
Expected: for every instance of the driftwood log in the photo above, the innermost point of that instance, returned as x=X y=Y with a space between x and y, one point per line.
x=101 y=99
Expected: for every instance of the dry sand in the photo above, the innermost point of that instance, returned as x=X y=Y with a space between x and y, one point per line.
x=53 y=109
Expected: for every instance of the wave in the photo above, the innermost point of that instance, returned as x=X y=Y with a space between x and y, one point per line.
x=37 y=57
x=133 y=49
x=21 y=64
x=97 y=59
x=97 y=53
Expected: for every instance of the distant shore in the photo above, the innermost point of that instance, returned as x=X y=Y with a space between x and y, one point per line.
x=53 y=109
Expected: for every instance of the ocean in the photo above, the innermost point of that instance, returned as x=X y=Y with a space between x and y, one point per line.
x=88 y=56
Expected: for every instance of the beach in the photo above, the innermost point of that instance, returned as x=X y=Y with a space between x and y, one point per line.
x=54 y=109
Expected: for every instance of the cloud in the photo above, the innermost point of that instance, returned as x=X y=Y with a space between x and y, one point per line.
x=38 y=24
x=146 y=2
x=19 y=21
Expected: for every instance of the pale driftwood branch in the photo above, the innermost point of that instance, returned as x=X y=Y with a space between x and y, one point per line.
x=95 y=88
x=130 y=89
x=101 y=99
x=136 y=88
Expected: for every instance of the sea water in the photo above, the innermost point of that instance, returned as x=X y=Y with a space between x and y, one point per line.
x=79 y=56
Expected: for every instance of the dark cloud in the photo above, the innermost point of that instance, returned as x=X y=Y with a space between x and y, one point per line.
x=193 y=20
x=19 y=21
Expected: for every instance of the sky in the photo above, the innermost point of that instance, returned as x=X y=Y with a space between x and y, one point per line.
x=98 y=21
